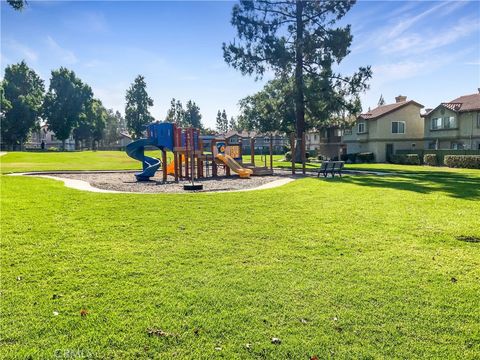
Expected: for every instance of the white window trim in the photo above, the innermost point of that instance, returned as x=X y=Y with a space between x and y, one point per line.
x=364 y=127
x=404 y=127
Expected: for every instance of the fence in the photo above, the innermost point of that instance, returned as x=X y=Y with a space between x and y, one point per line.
x=440 y=153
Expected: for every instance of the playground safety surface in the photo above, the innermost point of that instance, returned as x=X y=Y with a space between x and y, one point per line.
x=126 y=182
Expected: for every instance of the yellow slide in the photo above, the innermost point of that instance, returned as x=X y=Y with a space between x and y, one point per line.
x=235 y=166
x=171 y=166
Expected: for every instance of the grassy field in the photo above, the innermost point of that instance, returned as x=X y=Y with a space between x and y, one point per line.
x=85 y=160
x=360 y=267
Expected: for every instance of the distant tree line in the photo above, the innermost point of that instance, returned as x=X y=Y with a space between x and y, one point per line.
x=67 y=108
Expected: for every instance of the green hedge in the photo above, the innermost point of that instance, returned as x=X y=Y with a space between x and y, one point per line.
x=430 y=159
x=463 y=161
x=358 y=157
x=440 y=153
x=405 y=159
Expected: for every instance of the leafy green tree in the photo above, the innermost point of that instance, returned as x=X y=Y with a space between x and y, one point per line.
x=219 y=122
x=209 y=131
x=299 y=40
x=22 y=96
x=222 y=121
x=176 y=113
x=272 y=108
x=114 y=125
x=66 y=102
x=137 y=114
x=192 y=116
x=17 y=4
x=99 y=116
x=232 y=124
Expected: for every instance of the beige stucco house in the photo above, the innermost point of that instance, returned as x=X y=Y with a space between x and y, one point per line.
x=326 y=142
x=454 y=124
x=386 y=129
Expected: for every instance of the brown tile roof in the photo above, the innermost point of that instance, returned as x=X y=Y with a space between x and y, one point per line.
x=386 y=109
x=461 y=104
x=464 y=103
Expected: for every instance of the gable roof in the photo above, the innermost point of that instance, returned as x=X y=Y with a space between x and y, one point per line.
x=461 y=104
x=386 y=109
x=464 y=103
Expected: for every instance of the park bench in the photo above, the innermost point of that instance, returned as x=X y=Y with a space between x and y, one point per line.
x=331 y=167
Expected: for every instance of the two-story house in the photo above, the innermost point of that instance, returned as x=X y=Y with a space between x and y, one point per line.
x=261 y=141
x=325 y=142
x=386 y=129
x=454 y=125
x=49 y=140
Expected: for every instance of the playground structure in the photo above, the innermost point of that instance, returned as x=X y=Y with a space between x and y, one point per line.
x=190 y=161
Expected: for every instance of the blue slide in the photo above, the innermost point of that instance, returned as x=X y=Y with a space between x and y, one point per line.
x=136 y=151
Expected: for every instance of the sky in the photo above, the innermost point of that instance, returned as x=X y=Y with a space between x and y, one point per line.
x=428 y=51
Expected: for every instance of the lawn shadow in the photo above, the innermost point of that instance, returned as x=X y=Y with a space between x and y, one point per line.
x=456 y=185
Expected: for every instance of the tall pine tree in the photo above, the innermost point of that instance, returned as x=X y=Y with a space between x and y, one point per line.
x=298 y=40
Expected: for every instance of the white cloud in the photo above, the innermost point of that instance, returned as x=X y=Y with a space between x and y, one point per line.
x=63 y=54
x=406 y=24
x=418 y=43
x=112 y=96
x=22 y=50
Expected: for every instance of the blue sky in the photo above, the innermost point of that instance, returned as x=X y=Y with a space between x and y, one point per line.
x=429 y=51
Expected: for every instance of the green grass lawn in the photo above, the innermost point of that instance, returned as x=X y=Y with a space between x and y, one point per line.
x=361 y=267
x=85 y=160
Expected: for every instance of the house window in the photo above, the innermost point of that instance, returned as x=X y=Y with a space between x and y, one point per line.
x=315 y=137
x=449 y=122
x=361 y=127
x=446 y=122
x=347 y=132
x=398 y=127
x=456 y=146
x=436 y=123
x=53 y=138
x=478 y=120
x=432 y=145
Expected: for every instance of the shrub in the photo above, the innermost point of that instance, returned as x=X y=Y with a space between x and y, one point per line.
x=288 y=156
x=463 y=161
x=405 y=159
x=430 y=159
x=365 y=157
x=349 y=158
x=53 y=148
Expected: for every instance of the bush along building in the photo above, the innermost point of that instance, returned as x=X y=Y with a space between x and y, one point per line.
x=379 y=133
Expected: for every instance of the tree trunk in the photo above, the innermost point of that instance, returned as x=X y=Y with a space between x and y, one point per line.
x=299 y=86
x=63 y=144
